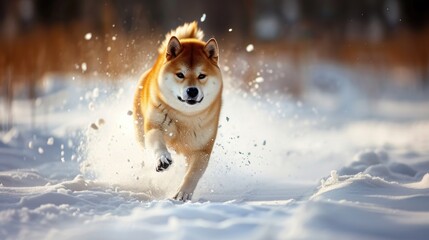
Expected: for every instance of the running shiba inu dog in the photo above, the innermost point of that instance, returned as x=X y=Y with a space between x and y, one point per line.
x=177 y=103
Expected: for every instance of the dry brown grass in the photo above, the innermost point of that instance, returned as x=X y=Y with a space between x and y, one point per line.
x=63 y=49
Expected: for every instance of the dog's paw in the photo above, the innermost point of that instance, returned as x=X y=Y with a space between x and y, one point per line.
x=164 y=161
x=183 y=196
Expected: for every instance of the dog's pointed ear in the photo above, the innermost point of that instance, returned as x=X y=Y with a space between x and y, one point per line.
x=173 y=48
x=212 y=50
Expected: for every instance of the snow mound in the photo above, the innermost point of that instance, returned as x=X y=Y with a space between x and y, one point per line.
x=376 y=187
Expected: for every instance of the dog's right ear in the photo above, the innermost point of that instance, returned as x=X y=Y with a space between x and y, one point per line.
x=173 y=48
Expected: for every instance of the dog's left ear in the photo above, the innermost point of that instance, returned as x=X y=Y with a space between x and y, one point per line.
x=212 y=50
x=173 y=48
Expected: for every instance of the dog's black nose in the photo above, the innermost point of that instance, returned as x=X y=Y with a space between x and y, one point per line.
x=192 y=92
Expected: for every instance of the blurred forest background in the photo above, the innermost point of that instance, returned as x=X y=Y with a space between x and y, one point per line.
x=111 y=38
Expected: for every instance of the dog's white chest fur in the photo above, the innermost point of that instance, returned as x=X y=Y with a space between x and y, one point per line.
x=190 y=132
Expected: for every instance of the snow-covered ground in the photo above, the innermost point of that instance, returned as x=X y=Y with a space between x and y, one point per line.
x=335 y=164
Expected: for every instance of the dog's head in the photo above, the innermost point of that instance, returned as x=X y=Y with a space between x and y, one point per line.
x=190 y=80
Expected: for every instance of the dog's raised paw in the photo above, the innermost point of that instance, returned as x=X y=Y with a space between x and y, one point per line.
x=164 y=161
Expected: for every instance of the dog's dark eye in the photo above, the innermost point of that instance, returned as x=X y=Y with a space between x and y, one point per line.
x=201 y=76
x=180 y=75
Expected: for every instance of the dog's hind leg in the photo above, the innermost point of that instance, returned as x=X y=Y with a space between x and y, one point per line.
x=138 y=113
x=198 y=162
x=139 y=122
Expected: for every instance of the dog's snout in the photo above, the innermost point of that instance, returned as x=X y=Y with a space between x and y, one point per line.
x=191 y=95
x=192 y=92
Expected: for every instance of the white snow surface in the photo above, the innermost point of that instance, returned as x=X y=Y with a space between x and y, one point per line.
x=280 y=169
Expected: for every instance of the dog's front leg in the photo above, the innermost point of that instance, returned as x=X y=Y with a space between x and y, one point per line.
x=154 y=140
x=198 y=162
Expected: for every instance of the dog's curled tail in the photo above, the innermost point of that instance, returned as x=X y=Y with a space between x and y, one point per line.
x=187 y=30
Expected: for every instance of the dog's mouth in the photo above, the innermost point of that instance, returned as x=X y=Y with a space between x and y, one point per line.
x=190 y=101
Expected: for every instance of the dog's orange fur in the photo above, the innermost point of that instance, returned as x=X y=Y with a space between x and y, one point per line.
x=160 y=125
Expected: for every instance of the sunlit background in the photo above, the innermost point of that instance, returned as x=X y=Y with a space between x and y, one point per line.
x=109 y=39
